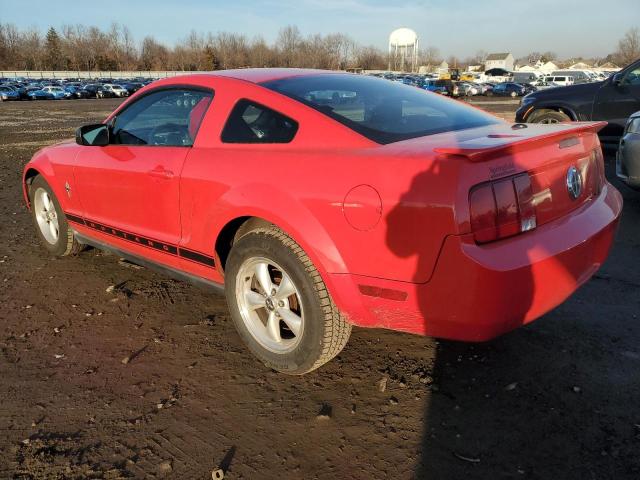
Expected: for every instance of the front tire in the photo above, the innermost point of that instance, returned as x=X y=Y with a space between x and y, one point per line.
x=549 y=117
x=50 y=221
x=280 y=304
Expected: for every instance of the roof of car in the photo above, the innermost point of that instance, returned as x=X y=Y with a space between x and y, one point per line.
x=258 y=75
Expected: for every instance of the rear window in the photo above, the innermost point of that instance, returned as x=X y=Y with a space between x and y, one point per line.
x=378 y=109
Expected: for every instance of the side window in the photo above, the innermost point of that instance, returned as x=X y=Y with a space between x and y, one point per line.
x=165 y=117
x=251 y=122
x=633 y=77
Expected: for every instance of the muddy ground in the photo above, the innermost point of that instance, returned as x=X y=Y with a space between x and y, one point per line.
x=148 y=379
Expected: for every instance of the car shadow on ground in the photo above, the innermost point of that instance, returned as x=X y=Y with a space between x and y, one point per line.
x=535 y=403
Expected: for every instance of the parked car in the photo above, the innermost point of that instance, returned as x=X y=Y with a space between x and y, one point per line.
x=483 y=88
x=102 y=92
x=468 y=89
x=57 y=93
x=76 y=91
x=116 y=90
x=543 y=85
x=131 y=87
x=628 y=154
x=488 y=88
x=90 y=90
x=577 y=76
x=560 y=80
x=612 y=100
x=443 y=87
x=37 y=93
x=436 y=86
x=8 y=93
x=508 y=89
x=286 y=203
x=18 y=87
x=526 y=77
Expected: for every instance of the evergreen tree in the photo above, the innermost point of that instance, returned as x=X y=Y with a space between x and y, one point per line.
x=53 y=52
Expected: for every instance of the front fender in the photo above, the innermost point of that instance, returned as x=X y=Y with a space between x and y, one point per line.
x=38 y=165
x=55 y=164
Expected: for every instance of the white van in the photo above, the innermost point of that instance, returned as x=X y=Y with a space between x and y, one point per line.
x=560 y=80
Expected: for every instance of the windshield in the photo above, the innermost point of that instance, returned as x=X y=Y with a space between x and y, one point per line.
x=381 y=110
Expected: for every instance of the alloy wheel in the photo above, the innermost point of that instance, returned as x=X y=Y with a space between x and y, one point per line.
x=270 y=304
x=46 y=215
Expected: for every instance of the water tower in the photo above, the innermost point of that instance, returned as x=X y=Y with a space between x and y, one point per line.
x=403 y=50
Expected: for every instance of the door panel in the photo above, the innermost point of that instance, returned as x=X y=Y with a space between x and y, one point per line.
x=616 y=103
x=130 y=189
x=133 y=188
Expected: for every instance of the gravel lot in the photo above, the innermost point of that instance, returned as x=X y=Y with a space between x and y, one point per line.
x=109 y=371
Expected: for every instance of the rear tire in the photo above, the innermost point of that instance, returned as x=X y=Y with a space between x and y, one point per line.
x=549 y=117
x=295 y=327
x=50 y=221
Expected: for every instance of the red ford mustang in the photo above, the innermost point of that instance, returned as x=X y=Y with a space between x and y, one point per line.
x=322 y=200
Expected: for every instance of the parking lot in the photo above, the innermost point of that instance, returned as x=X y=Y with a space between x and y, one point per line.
x=112 y=371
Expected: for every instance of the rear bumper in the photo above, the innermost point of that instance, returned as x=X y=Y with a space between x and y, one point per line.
x=479 y=292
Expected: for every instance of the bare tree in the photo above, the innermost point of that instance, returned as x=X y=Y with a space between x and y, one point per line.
x=629 y=47
x=430 y=56
x=289 y=40
x=549 y=57
x=370 y=58
x=80 y=47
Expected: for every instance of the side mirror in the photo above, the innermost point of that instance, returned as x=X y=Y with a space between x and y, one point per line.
x=93 y=135
x=616 y=80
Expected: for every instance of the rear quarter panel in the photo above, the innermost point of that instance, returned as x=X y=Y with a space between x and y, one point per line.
x=302 y=186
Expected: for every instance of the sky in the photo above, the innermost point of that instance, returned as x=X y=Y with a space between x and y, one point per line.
x=456 y=27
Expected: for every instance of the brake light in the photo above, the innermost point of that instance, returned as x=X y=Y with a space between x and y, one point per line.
x=598 y=158
x=502 y=208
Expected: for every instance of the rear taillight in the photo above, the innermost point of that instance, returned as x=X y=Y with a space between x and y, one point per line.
x=598 y=158
x=502 y=208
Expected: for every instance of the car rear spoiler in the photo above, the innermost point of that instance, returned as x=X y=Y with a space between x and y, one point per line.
x=483 y=148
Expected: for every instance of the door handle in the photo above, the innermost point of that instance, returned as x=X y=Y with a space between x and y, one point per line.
x=161 y=172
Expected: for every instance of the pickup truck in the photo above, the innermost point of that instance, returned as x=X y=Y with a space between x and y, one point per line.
x=612 y=100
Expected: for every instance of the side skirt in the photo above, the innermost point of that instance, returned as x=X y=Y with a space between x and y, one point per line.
x=163 y=269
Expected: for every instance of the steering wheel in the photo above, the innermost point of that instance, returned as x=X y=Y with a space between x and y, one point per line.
x=167 y=134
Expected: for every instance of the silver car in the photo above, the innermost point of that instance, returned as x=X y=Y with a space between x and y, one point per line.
x=628 y=156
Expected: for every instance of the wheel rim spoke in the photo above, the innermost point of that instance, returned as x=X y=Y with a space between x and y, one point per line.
x=46 y=202
x=286 y=288
x=254 y=300
x=264 y=278
x=293 y=321
x=273 y=327
x=54 y=230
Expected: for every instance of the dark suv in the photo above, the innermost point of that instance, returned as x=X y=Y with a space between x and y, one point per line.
x=613 y=100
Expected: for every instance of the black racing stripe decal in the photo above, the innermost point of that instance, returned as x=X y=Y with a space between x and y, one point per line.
x=168 y=248
x=74 y=218
x=197 y=257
